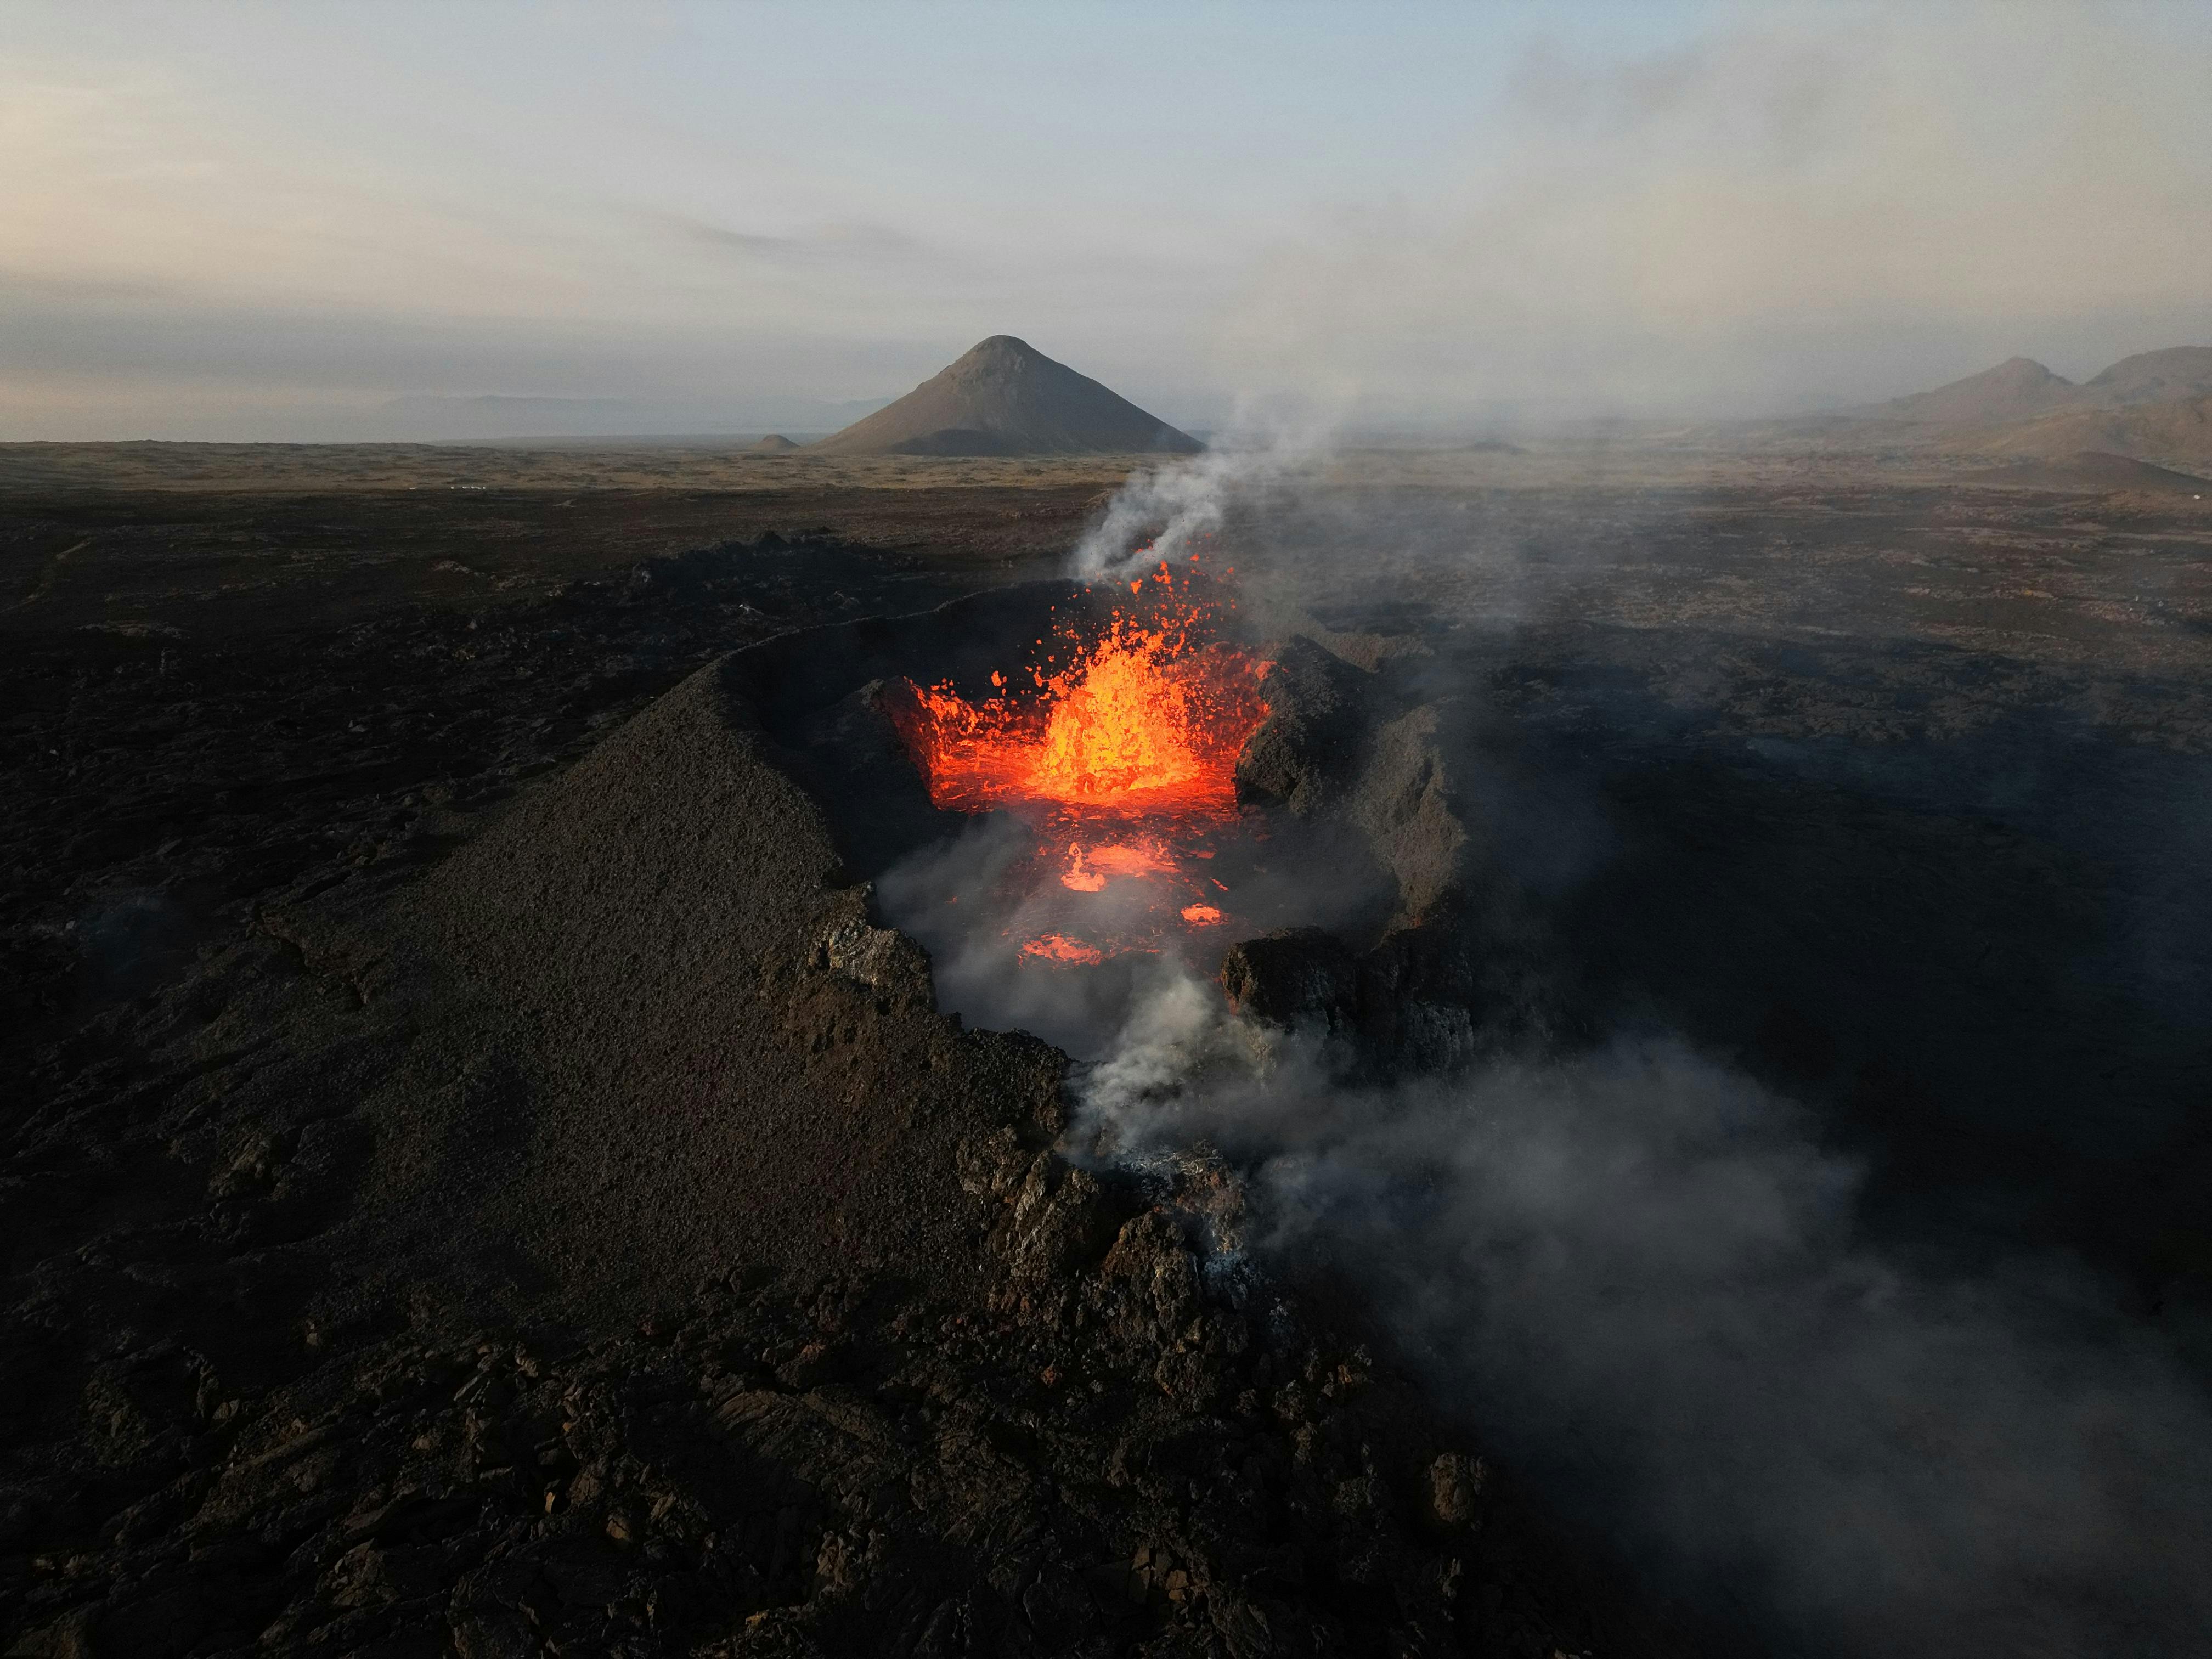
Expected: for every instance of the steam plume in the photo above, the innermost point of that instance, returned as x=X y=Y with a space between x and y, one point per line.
x=1163 y=513
x=1639 y=1272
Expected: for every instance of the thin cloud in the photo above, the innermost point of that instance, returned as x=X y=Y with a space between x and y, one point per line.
x=1769 y=211
x=847 y=243
x=1812 y=207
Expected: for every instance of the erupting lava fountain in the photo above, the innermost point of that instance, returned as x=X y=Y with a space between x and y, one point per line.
x=1123 y=760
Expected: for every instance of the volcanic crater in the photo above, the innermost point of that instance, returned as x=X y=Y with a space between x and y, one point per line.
x=1059 y=788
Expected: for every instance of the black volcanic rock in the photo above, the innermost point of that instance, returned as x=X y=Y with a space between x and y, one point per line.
x=1337 y=747
x=1307 y=750
x=1296 y=976
x=258 y=1397
x=1005 y=398
x=600 y=1244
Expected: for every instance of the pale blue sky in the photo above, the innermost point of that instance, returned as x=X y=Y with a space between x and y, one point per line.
x=270 y=221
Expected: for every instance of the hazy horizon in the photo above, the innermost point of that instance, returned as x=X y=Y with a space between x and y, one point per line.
x=247 y=222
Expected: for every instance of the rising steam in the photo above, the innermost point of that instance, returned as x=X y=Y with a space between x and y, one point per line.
x=1639 y=1272
x=1169 y=510
x=1642 y=1275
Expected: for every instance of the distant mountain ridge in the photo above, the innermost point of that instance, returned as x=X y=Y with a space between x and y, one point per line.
x=2019 y=388
x=2154 y=407
x=1004 y=397
x=2167 y=376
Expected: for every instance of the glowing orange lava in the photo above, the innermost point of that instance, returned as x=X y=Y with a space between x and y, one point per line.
x=1148 y=718
x=1126 y=758
x=1149 y=860
x=1057 y=947
x=1090 y=868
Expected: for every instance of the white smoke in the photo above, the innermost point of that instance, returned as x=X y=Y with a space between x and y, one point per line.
x=1644 y=1278
x=1166 y=513
x=1641 y=1274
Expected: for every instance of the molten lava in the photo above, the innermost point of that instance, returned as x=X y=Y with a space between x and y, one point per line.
x=1090 y=868
x=1057 y=947
x=1125 y=758
x=1148 y=719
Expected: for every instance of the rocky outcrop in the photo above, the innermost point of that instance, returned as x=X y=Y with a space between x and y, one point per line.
x=1353 y=752
x=1306 y=753
x=1404 y=802
x=1113 y=1458
x=1295 y=977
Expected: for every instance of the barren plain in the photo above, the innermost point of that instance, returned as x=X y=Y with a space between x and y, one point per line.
x=364 y=1297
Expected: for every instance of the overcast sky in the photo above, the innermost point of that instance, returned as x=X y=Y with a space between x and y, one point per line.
x=269 y=222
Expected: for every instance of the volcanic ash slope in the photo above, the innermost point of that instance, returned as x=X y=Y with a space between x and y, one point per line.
x=721 y=1058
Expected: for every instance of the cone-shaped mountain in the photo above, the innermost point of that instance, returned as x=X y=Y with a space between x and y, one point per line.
x=1004 y=397
x=2016 y=388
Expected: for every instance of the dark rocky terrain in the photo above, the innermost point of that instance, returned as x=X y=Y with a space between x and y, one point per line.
x=350 y=1312
x=482 y=1180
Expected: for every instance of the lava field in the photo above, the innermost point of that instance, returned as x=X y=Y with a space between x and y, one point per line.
x=520 y=1149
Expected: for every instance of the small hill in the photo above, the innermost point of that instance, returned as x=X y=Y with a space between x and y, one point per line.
x=2015 y=390
x=2175 y=433
x=774 y=444
x=2097 y=469
x=2174 y=375
x=1004 y=397
x=2155 y=407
